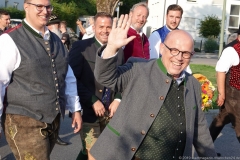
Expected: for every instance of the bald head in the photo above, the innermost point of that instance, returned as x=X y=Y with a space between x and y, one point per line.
x=178 y=36
x=176 y=51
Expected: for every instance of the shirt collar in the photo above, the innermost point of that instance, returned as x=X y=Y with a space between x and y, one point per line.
x=98 y=41
x=179 y=80
x=46 y=35
x=140 y=33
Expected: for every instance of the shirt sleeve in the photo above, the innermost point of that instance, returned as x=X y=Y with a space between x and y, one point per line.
x=89 y=30
x=9 y=61
x=228 y=59
x=71 y=94
x=154 y=41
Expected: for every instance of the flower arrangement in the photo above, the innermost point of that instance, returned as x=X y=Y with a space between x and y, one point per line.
x=207 y=91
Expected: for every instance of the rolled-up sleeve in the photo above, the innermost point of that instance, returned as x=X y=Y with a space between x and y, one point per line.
x=228 y=59
x=71 y=94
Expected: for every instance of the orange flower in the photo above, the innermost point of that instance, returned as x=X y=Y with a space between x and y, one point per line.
x=207 y=91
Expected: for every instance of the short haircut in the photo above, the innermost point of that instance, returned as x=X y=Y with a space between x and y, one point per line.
x=26 y=1
x=3 y=12
x=143 y=4
x=63 y=23
x=102 y=14
x=174 y=7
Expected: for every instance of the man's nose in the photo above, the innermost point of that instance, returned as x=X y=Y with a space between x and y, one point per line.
x=179 y=56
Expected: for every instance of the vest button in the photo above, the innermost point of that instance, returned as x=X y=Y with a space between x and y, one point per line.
x=48 y=49
x=100 y=90
x=161 y=97
x=57 y=84
x=56 y=109
x=143 y=132
x=133 y=149
x=46 y=42
x=151 y=115
x=56 y=103
x=53 y=65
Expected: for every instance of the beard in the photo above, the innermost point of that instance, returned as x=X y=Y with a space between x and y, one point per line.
x=57 y=32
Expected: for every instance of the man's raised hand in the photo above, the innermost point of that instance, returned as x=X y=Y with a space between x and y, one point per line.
x=118 y=35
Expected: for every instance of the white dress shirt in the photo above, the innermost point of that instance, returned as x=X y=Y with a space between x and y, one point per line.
x=10 y=60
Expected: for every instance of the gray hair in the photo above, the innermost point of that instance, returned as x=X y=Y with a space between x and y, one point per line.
x=232 y=37
x=143 y=4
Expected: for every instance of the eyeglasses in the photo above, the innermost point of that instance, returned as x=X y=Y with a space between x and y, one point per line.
x=175 y=52
x=41 y=7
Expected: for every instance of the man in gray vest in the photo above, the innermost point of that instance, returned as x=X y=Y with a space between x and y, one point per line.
x=40 y=83
x=160 y=114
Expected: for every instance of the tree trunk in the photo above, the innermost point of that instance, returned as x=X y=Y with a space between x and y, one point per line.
x=106 y=6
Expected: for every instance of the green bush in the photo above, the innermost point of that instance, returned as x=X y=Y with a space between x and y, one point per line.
x=210 y=45
x=197 y=50
x=14 y=13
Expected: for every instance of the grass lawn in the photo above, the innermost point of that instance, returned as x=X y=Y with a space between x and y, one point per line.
x=210 y=73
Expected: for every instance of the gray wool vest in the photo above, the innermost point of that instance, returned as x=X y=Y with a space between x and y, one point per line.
x=37 y=87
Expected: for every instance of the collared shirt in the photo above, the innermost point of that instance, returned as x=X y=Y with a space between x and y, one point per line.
x=10 y=60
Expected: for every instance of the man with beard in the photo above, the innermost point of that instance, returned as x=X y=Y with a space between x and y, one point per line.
x=173 y=19
x=40 y=84
x=99 y=103
x=53 y=25
x=139 y=47
x=4 y=21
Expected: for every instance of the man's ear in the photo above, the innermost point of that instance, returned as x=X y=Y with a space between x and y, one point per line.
x=93 y=28
x=130 y=14
x=25 y=7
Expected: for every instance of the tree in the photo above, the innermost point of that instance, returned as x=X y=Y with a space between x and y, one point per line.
x=106 y=6
x=210 y=27
x=70 y=10
x=109 y=6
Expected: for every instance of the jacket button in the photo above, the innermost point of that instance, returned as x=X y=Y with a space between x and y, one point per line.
x=133 y=149
x=100 y=90
x=46 y=42
x=161 y=97
x=151 y=115
x=143 y=132
x=56 y=109
x=48 y=49
x=167 y=81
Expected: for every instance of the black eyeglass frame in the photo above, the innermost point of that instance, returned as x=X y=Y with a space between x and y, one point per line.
x=189 y=54
x=49 y=8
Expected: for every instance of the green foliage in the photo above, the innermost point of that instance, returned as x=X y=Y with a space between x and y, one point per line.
x=197 y=50
x=70 y=10
x=14 y=13
x=209 y=27
x=210 y=45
